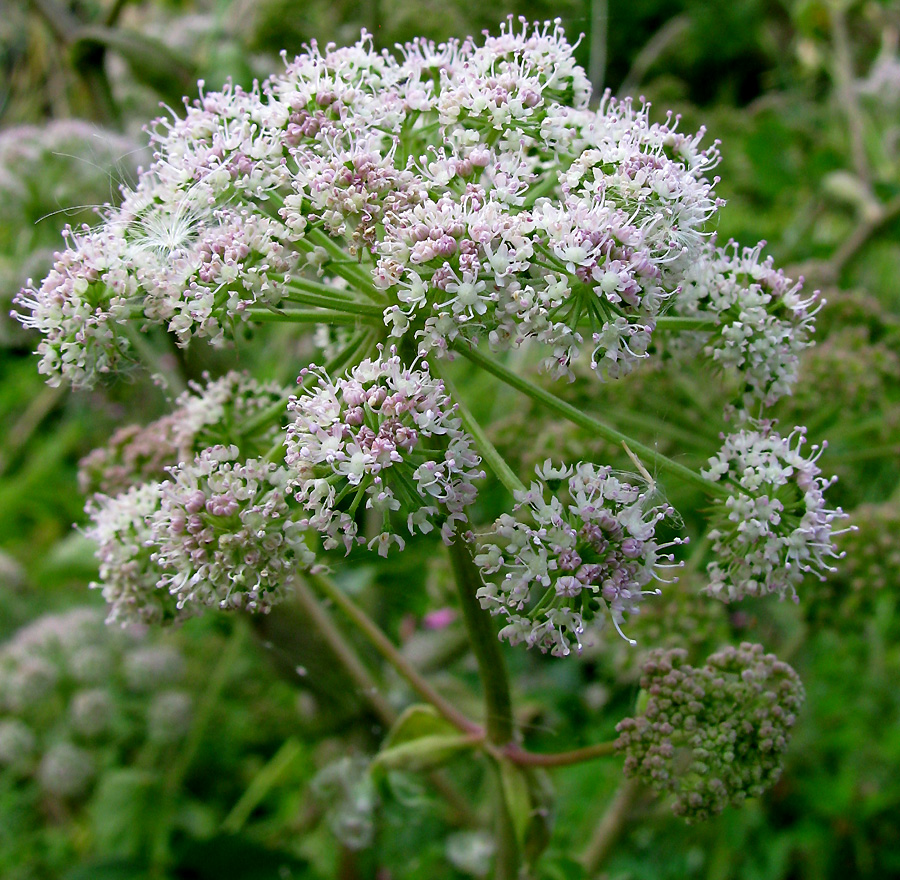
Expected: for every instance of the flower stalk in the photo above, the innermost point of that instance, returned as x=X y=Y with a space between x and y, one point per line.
x=583 y=420
x=389 y=652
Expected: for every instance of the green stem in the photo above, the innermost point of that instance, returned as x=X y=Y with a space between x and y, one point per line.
x=307 y=285
x=351 y=307
x=508 y=857
x=345 y=269
x=367 y=685
x=610 y=826
x=485 y=646
x=567 y=411
x=370 y=691
x=389 y=652
x=304 y=316
x=495 y=461
x=699 y=323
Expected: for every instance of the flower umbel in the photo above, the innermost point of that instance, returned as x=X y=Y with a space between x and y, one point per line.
x=713 y=735
x=776 y=528
x=385 y=434
x=765 y=321
x=589 y=548
x=225 y=534
x=221 y=532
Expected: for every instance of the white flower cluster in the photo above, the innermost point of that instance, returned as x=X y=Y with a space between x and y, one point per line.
x=776 y=527
x=480 y=195
x=80 y=306
x=221 y=532
x=387 y=435
x=120 y=526
x=764 y=319
x=573 y=559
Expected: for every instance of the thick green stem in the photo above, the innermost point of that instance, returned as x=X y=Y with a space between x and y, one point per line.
x=485 y=646
x=389 y=652
x=567 y=411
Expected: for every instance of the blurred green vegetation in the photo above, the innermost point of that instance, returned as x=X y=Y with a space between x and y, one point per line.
x=805 y=97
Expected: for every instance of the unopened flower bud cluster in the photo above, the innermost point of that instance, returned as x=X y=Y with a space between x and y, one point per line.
x=711 y=735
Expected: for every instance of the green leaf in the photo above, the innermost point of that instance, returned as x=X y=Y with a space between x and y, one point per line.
x=424 y=753
x=421 y=739
x=119 y=810
x=416 y=722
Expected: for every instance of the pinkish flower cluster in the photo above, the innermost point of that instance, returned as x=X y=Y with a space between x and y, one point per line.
x=764 y=320
x=587 y=551
x=479 y=195
x=230 y=409
x=81 y=308
x=129 y=579
x=776 y=527
x=225 y=535
x=220 y=532
x=385 y=439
